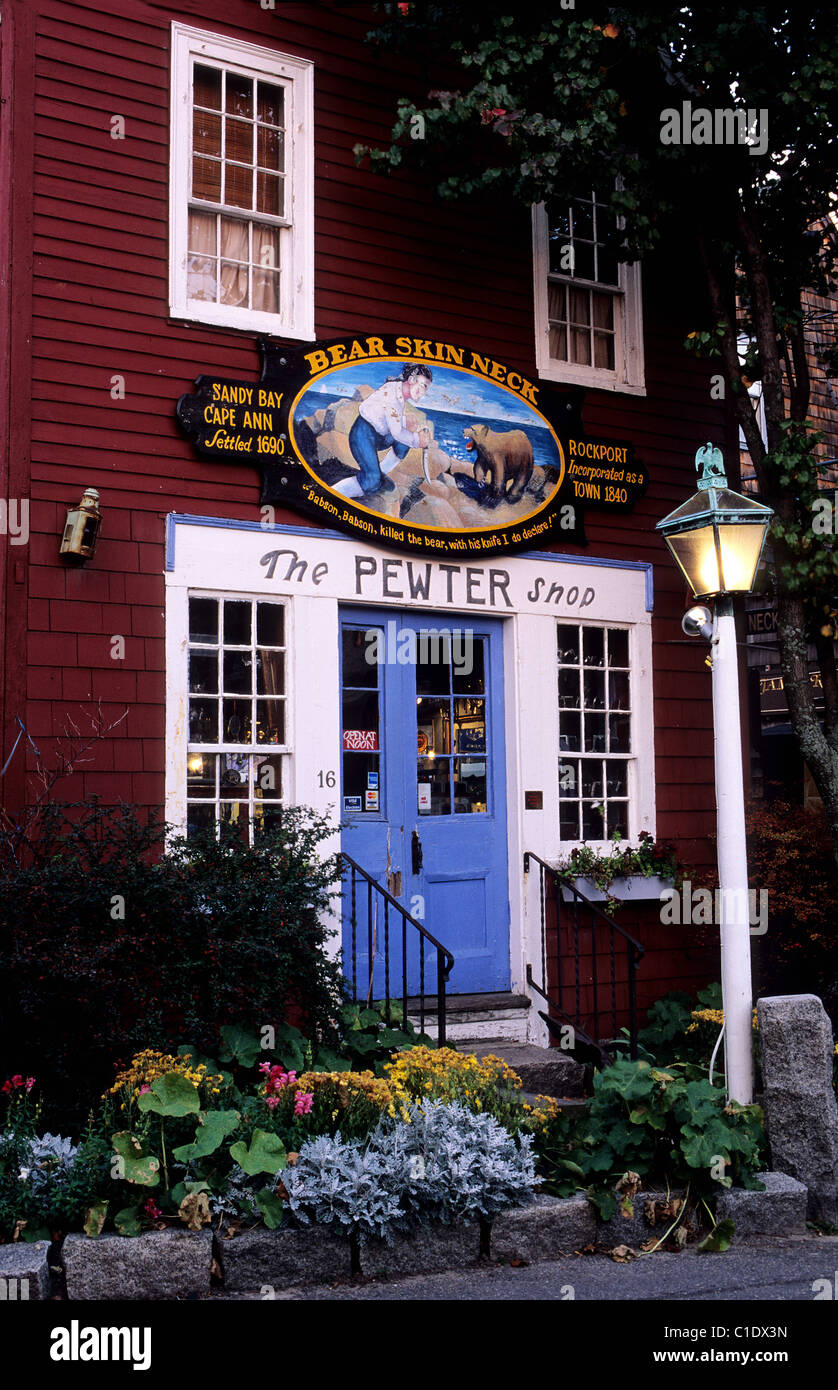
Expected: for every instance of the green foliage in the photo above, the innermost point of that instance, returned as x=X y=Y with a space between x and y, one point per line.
x=137 y=1165
x=266 y=1153
x=213 y=932
x=171 y=1094
x=652 y=858
x=369 y=1040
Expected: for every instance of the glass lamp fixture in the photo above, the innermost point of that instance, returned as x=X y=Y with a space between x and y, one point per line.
x=81 y=529
x=717 y=536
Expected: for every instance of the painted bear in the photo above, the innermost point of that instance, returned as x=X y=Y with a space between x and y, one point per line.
x=504 y=460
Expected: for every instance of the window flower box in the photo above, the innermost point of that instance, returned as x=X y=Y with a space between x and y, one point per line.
x=633 y=888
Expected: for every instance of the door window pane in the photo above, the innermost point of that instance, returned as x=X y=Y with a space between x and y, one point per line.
x=434 y=790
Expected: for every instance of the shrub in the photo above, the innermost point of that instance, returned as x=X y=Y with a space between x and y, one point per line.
x=108 y=945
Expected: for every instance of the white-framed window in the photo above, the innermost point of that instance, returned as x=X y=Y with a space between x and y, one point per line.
x=588 y=314
x=596 y=752
x=241 y=198
x=238 y=742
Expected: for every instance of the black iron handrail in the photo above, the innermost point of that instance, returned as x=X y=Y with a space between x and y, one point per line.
x=634 y=954
x=444 y=958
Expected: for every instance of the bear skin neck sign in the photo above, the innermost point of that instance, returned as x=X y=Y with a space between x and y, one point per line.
x=419 y=445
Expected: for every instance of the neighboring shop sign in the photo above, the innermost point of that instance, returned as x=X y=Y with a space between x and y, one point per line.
x=772 y=697
x=761 y=621
x=416 y=444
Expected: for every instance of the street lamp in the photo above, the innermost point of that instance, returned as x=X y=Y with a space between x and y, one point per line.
x=717 y=538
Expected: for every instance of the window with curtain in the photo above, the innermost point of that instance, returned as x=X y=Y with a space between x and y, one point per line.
x=242 y=154
x=588 y=314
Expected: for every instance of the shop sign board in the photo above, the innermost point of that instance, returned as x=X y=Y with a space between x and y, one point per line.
x=419 y=445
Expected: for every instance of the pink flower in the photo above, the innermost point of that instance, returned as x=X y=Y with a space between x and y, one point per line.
x=264 y=1066
x=272 y=1101
x=303 y=1103
x=6 y=1087
x=17 y=1080
x=30 y=1082
x=143 y=1089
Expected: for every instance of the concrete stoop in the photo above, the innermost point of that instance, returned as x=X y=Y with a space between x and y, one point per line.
x=478 y=1018
x=545 y=1071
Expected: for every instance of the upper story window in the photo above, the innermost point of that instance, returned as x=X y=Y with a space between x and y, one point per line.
x=241 y=198
x=588 y=320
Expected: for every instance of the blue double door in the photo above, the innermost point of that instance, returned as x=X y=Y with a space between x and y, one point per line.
x=423 y=796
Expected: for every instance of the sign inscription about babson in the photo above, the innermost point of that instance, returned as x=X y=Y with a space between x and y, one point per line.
x=417 y=444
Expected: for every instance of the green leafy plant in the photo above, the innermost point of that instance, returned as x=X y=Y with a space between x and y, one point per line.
x=650 y=859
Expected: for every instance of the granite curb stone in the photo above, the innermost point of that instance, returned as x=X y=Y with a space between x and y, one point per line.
x=157 y=1265
x=24 y=1271
x=428 y=1250
x=548 y=1227
x=283 y=1257
x=801 y=1113
x=778 y=1211
x=635 y=1229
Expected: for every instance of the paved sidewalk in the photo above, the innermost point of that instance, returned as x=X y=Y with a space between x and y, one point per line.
x=765 y=1269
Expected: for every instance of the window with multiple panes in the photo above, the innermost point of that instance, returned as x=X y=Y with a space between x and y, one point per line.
x=238 y=741
x=595 y=736
x=242 y=153
x=588 y=319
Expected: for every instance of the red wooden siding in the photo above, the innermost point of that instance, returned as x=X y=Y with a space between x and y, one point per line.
x=389 y=257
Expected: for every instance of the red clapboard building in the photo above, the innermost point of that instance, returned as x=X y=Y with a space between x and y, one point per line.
x=452 y=427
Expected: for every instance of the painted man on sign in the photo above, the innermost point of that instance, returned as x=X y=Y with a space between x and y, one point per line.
x=385 y=422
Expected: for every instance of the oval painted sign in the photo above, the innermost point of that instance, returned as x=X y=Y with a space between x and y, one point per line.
x=421 y=445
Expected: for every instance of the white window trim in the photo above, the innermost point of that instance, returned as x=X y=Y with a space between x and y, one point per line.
x=177 y=698
x=628 y=376
x=642 y=807
x=296 y=319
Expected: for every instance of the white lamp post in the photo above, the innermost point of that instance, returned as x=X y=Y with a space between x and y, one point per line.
x=717 y=539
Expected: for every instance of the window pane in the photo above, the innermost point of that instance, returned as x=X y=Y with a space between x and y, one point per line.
x=469 y=785
x=617 y=823
x=469 y=726
x=267 y=777
x=269 y=148
x=604 y=351
x=616 y=779
x=203 y=721
x=569 y=733
x=569 y=779
x=236 y=624
x=206 y=133
x=360 y=711
x=206 y=180
x=238 y=673
x=433 y=782
x=239 y=95
x=202 y=232
x=203 y=673
x=433 y=721
x=203 y=620
x=238 y=186
x=199 y=819
x=236 y=722
x=591 y=775
x=200 y=775
x=607 y=267
x=433 y=667
x=568 y=643
x=618 y=690
x=271 y=104
x=594 y=733
x=558 y=218
x=580 y=306
x=234 y=281
x=270 y=672
x=583 y=220
x=358 y=645
x=593 y=646
x=239 y=137
x=618 y=647
x=558 y=341
x=207 y=87
x=593 y=825
x=603 y=308
x=269 y=194
x=557 y=301
x=583 y=261
x=594 y=690
x=234 y=821
x=568 y=689
x=270 y=716
x=468 y=654
x=270 y=624
x=360 y=771
x=580 y=346
x=619 y=733
x=569 y=820
x=233 y=776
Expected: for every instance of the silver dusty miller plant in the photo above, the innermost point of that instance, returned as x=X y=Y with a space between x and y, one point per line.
x=341 y=1184
x=446 y=1164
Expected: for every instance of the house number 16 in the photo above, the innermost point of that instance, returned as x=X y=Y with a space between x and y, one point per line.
x=327 y=779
